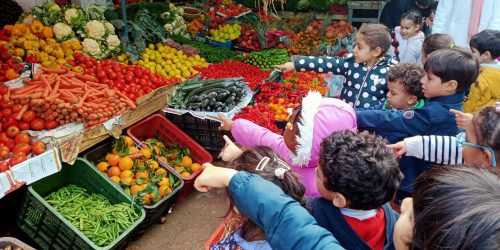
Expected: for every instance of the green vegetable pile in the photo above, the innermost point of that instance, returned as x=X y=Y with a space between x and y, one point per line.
x=210 y=53
x=214 y=95
x=92 y=214
x=267 y=59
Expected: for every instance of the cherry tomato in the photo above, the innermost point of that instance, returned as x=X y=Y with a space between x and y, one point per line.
x=101 y=75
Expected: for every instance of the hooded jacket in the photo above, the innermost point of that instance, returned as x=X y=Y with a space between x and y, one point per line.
x=364 y=86
x=486 y=92
x=410 y=49
x=319 y=118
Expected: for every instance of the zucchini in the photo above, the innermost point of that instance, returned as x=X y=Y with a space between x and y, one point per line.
x=204 y=103
x=222 y=85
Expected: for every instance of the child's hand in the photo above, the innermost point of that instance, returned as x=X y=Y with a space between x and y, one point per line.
x=399 y=148
x=213 y=177
x=230 y=150
x=464 y=120
x=226 y=124
x=404 y=235
x=286 y=67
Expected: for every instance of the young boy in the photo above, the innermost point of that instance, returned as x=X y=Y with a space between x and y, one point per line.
x=356 y=177
x=448 y=74
x=485 y=46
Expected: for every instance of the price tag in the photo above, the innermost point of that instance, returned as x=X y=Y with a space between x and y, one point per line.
x=108 y=125
x=37 y=168
x=4 y=184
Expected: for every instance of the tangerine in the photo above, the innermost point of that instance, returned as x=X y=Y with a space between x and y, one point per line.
x=115 y=179
x=195 y=167
x=185 y=174
x=134 y=188
x=114 y=171
x=164 y=190
x=103 y=166
x=113 y=159
x=164 y=181
x=141 y=174
x=161 y=171
x=127 y=181
x=152 y=164
x=146 y=152
x=132 y=150
x=126 y=163
x=179 y=169
x=126 y=173
x=187 y=161
x=128 y=140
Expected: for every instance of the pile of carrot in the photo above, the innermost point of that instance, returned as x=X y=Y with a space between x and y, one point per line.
x=66 y=96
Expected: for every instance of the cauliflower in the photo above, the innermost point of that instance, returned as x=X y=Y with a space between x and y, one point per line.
x=113 y=42
x=62 y=31
x=91 y=47
x=95 y=29
x=74 y=17
x=168 y=27
x=110 y=27
x=51 y=7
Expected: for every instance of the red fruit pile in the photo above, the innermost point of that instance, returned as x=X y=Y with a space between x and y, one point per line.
x=15 y=147
x=253 y=75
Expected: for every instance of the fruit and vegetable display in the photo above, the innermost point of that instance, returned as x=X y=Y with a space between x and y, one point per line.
x=138 y=171
x=213 y=95
x=177 y=157
x=225 y=32
x=253 y=75
x=93 y=214
x=9 y=69
x=210 y=53
x=267 y=59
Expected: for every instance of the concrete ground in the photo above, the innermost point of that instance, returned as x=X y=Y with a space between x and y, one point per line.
x=190 y=224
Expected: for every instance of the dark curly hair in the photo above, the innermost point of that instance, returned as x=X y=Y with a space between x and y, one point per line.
x=409 y=75
x=456 y=207
x=290 y=184
x=361 y=167
x=487 y=126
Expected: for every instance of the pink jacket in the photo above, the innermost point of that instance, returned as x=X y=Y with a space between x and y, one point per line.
x=331 y=115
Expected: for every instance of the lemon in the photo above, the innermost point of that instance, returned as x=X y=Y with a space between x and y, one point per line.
x=151 y=46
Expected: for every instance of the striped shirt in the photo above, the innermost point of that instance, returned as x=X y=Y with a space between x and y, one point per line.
x=434 y=148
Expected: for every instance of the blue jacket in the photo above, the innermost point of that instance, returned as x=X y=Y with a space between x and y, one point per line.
x=330 y=217
x=364 y=87
x=287 y=224
x=434 y=118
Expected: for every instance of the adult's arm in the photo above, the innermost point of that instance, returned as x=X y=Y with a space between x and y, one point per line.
x=287 y=224
x=494 y=22
x=442 y=12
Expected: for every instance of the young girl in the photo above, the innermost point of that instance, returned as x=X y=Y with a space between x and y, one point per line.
x=299 y=145
x=480 y=145
x=436 y=42
x=365 y=71
x=263 y=162
x=410 y=38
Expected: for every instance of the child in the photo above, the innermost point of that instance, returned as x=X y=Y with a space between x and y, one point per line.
x=299 y=145
x=365 y=71
x=264 y=162
x=436 y=42
x=410 y=38
x=448 y=73
x=485 y=46
x=356 y=177
x=480 y=146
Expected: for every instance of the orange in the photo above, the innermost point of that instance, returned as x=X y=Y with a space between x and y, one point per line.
x=127 y=181
x=113 y=159
x=163 y=159
x=146 y=152
x=185 y=174
x=156 y=149
x=161 y=171
x=152 y=164
x=164 y=190
x=103 y=166
x=132 y=150
x=126 y=163
x=134 y=188
x=164 y=182
x=179 y=169
x=126 y=173
x=195 y=167
x=114 y=171
x=128 y=140
x=187 y=161
x=115 y=179
x=141 y=174
x=147 y=199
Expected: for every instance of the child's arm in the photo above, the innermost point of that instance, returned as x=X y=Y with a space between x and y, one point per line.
x=381 y=121
x=432 y=148
x=336 y=65
x=480 y=95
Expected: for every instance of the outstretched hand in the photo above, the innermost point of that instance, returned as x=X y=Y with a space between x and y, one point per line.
x=225 y=124
x=289 y=66
x=464 y=120
x=213 y=177
x=398 y=148
x=230 y=150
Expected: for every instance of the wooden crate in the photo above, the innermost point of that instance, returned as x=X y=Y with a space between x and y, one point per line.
x=147 y=105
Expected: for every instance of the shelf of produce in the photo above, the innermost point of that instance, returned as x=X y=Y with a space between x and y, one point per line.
x=302 y=15
x=147 y=105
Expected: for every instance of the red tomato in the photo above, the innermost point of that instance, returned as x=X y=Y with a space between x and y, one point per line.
x=12 y=131
x=4 y=137
x=22 y=138
x=38 y=124
x=16 y=108
x=38 y=147
x=100 y=74
x=16 y=159
x=112 y=75
x=4 y=152
x=23 y=125
x=51 y=124
x=6 y=105
x=6 y=112
x=10 y=143
x=21 y=148
x=28 y=116
x=129 y=77
x=4 y=166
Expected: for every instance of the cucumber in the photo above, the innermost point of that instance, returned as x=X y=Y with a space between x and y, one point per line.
x=199 y=91
x=204 y=103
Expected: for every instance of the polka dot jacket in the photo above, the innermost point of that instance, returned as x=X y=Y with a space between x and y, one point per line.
x=364 y=87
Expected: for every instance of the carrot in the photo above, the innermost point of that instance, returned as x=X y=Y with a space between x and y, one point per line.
x=21 y=112
x=135 y=155
x=85 y=77
x=69 y=74
x=69 y=99
x=24 y=89
x=52 y=97
x=45 y=92
x=129 y=103
x=52 y=70
x=44 y=80
x=6 y=97
x=56 y=88
x=37 y=75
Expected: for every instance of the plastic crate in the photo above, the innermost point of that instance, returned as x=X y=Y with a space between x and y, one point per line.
x=159 y=126
x=153 y=212
x=204 y=131
x=13 y=242
x=230 y=223
x=49 y=229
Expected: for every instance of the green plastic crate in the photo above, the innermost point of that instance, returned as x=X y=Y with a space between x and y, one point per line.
x=49 y=229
